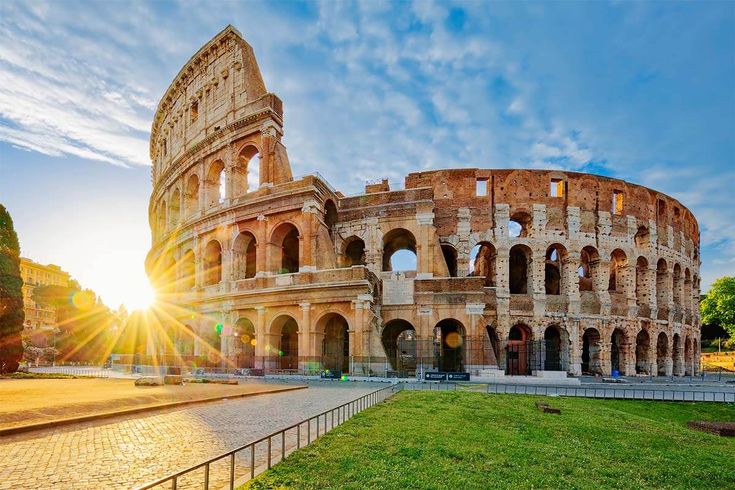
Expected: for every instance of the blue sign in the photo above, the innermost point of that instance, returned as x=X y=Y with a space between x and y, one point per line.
x=458 y=376
x=435 y=376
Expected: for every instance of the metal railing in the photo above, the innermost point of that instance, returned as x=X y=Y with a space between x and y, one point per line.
x=628 y=393
x=79 y=371
x=258 y=456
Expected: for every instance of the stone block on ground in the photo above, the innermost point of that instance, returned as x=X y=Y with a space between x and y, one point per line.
x=149 y=381
x=173 y=379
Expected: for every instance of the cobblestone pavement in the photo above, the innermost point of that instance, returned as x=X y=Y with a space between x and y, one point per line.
x=129 y=451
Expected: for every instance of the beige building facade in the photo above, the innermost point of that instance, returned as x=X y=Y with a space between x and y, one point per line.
x=485 y=271
x=33 y=275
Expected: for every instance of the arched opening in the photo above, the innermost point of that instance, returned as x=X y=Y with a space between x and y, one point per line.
x=448 y=342
x=676 y=355
x=191 y=196
x=399 y=251
x=642 y=237
x=399 y=341
x=688 y=367
x=212 y=263
x=354 y=253
x=588 y=260
x=450 y=258
x=519 y=225
x=518 y=350
x=288 y=342
x=286 y=239
x=618 y=261
x=617 y=352
x=662 y=288
x=553 y=269
x=244 y=255
x=244 y=343
x=552 y=349
x=330 y=217
x=482 y=262
x=642 y=346
x=249 y=167
x=174 y=210
x=662 y=354
x=519 y=265
x=335 y=343
x=641 y=286
x=188 y=271
x=214 y=184
x=591 y=348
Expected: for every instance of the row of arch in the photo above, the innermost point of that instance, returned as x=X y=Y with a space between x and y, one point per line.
x=195 y=194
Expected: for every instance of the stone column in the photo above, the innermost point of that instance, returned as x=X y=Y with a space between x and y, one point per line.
x=570 y=281
x=627 y=275
x=262 y=265
x=575 y=348
x=307 y=351
x=308 y=237
x=502 y=290
x=425 y=245
x=538 y=282
x=260 y=338
x=650 y=285
x=605 y=357
x=600 y=270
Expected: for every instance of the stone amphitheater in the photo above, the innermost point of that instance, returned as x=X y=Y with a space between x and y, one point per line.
x=481 y=271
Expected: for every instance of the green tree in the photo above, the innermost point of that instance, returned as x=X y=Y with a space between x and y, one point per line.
x=718 y=307
x=11 y=296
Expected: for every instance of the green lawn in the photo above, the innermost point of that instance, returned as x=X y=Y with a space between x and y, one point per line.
x=463 y=440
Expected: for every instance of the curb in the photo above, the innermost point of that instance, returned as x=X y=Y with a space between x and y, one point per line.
x=106 y=415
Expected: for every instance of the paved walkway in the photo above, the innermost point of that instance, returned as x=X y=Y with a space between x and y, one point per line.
x=129 y=451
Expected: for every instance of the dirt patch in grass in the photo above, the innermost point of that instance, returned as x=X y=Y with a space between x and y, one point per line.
x=30 y=401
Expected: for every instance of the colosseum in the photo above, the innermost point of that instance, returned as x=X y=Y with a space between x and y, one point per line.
x=482 y=271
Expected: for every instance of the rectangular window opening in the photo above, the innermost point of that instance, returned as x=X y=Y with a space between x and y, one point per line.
x=481 y=187
x=618 y=202
x=556 y=189
x=194 y=112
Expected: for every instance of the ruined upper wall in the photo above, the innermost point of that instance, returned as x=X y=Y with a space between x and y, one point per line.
x=521 y=189
x=219 y=84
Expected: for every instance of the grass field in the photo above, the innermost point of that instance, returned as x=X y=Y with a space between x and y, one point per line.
x=472 y=440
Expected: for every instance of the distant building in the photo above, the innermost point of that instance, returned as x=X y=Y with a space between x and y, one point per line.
x=35 y=274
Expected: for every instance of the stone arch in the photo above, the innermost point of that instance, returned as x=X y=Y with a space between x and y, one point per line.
x=188 y=270
x=212 y=263
x=399 y=342
x=354 y=251
x=618 y=262
x=286 y=350
x=174 y=209
x=591 y=351
x=245 y=341
x=519 y=225
x=662 y=354
x=518 y=355
x=285 y=238
x=519 y=266
x=335 y=342
x=618 y=351
x=642 y=352
x=553 y=268
x=396 y=240
x=191 y=195
x=248 y=169
x=244 y=255
x=482 y=262
x=589 y=258
x=214 y=184
x=450 y=258
x=449 y=338
x=556 y=341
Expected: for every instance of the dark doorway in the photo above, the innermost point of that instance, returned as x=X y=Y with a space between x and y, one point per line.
x=448 y=340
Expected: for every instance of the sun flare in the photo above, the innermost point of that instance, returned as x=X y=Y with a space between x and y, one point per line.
x=140 y=298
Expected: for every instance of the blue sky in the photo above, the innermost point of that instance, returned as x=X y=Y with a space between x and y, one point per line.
x=644 y=91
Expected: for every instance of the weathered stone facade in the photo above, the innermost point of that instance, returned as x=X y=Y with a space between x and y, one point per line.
x=597 y=273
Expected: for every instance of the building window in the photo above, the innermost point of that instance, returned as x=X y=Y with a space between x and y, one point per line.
x=556 y=189
x=617 y=202
x=481 y=187
x=194 y=112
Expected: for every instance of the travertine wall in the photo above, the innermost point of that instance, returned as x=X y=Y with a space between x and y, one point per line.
x=303 y=273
